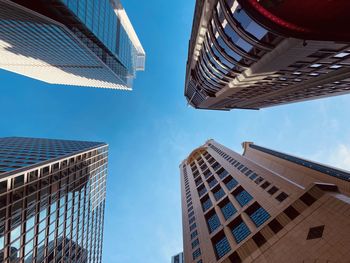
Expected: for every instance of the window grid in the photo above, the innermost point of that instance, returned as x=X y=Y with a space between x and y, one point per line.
x=228 y=210
x=243 y=198
x=240 y=232
x=213 y=223
x=222 y=247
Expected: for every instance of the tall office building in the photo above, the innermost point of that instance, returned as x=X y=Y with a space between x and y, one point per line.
x=262 y=206
x=52 y=200
x=71 y=42
x=250 y=54
x=179 y=258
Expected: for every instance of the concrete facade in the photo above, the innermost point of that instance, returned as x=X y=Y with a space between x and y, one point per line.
x=262 y=206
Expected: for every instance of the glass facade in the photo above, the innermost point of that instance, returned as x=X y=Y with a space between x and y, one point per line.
x=53 y=211
x=101 y=19
x=71 y=42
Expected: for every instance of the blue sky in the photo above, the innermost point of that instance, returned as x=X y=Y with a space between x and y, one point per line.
x=151 y=130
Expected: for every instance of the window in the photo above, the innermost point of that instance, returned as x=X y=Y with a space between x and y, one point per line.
x=315 y=232
x=212 y=182
x=244 y=170
x=259 y=239
x=192 y=220
x=228 y=210
x=213 y=223
x=249 y=172
x=18 y=181
x=307 y=199
x=206 y=204
x=259 y=180
x=219 y=194
x=265 y=185
x=207 y=174
x=275 y=226
x=291 y=212
x=240 y=231
x=196 y=253
x=194 y=234
x=216 y=166
x=198 y=181
x=195 y=243
x=342 y=55
x=243 y=197
x=231 y=184
x=281 y=197
x=222 y=173
x=3 y=187
x=202 y=190
x=253 y=176
x=272 y=190
x=258 y=214
x=222 y=247
x=193 y=226
x=248 y=24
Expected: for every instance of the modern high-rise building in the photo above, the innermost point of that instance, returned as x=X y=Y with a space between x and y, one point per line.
x=70 y=42
x=250 y=54
x=262 y=206
x=52 y=200
x=179 y=258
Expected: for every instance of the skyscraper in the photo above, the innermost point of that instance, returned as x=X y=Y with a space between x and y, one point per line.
x=179 y=258
x=262 y=206
x=71 y=42
x=52 y=200
x=250 y=54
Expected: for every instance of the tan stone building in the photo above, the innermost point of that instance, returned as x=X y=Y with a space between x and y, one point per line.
x=262 y=206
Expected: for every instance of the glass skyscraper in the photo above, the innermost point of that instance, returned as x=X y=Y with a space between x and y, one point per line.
x=72 y=42
x=52 y=200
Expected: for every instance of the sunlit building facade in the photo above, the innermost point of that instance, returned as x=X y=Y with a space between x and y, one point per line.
x=262 y=206
x=71 y=42
x=250 y=54
x=52 y=200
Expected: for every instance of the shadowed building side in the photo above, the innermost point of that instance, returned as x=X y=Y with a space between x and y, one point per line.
x=52 y=200
x=254 y=54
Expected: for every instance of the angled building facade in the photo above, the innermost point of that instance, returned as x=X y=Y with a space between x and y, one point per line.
x=52 y=196
x=250 y=54
x=262 y=206
x=81 y=42
x=179 y=258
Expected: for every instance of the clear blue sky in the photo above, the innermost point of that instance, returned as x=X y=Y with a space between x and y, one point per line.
x=151 y=130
